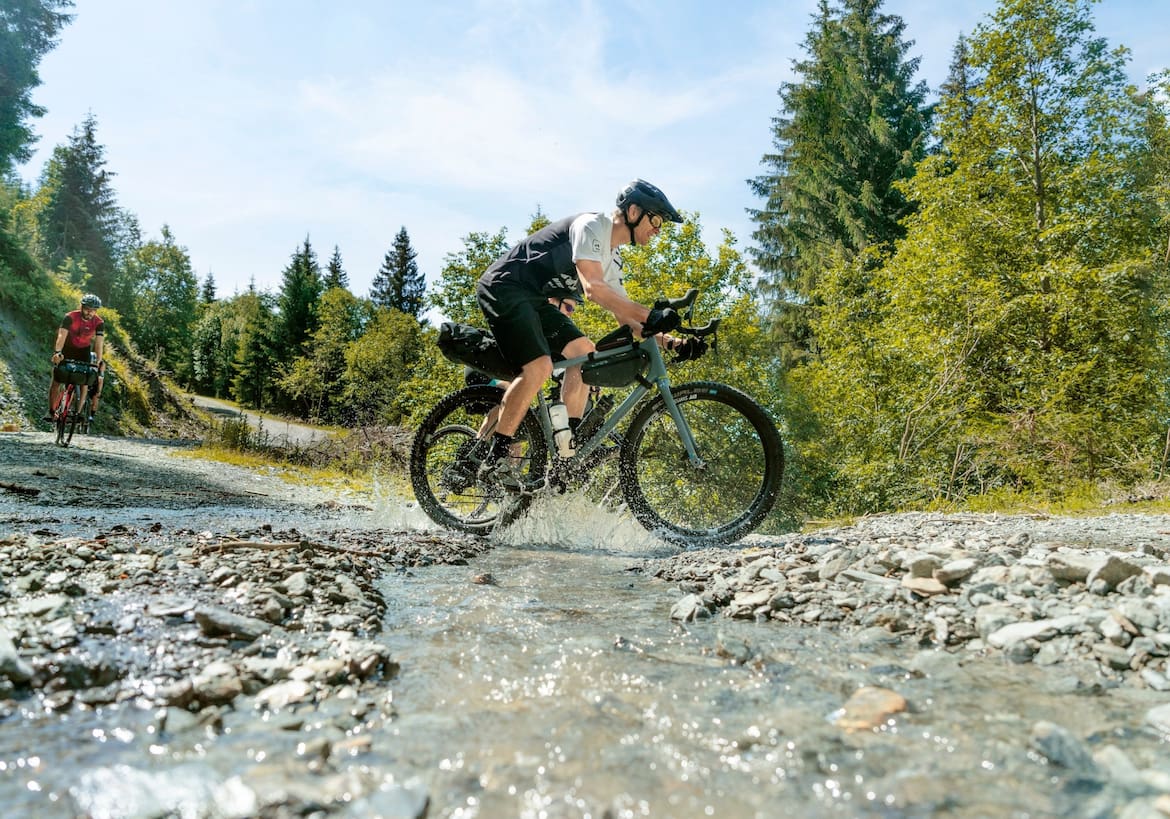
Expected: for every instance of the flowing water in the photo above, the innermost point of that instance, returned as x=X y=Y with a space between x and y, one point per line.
x=562 y=688
x=547 y=679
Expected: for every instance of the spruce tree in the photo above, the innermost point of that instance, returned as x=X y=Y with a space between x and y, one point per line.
x=335 y=275
x=28 y=30
x=80 y=220
x=299 y=292
x=851 y=128
x=398 y=284
x=207 y=291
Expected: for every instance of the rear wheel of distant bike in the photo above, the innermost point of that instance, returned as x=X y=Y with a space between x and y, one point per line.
x=724 y=497
x=444 y=460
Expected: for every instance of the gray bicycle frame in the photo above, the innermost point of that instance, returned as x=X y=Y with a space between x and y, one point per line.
x=655 y=376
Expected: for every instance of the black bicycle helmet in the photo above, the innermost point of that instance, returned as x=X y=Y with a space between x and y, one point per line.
x=90 y=300
x=649 y=198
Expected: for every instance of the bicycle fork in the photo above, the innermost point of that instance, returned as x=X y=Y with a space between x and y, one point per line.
x=680 y=423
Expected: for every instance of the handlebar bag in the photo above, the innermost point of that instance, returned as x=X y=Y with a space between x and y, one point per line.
x=75 y=372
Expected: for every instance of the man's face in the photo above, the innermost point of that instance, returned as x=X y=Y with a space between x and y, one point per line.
x=648 y=228
x=87 y=312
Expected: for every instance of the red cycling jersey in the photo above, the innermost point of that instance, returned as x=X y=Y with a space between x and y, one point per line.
x=81 y=333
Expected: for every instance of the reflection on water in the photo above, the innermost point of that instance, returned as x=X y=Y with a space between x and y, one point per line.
x=563 y=689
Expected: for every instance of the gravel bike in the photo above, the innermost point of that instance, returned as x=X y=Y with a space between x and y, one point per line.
x=73 y=408
x=699 y=464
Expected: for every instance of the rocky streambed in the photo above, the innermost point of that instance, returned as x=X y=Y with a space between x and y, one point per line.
x=182 y=638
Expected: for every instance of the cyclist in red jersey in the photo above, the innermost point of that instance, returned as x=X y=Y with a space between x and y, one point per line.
x=80 y=332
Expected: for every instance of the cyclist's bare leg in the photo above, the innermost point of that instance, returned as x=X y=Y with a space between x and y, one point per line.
x=573 y=390
x=54 y=395
x=520 y=393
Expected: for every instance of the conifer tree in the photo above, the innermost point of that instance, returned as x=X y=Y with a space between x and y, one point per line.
x=28 y=30
x=80 y=219
x=207 y=291
x=253 y=367
x=335 y=275
x=299 y=292
x=398 y=284
x=851 y=127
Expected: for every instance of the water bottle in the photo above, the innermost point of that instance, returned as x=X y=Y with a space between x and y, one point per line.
x=558 y=414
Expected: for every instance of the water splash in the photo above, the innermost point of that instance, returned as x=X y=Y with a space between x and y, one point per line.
x=574 y=521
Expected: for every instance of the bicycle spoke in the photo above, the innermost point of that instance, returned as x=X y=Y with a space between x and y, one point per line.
x=728 y=492
x=444 y=472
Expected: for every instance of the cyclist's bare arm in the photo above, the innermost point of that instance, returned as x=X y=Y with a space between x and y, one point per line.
x=59 y=344
x=627 y=312
x=600 y=292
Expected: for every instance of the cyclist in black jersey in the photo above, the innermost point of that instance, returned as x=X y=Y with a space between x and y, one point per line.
x=577 y=255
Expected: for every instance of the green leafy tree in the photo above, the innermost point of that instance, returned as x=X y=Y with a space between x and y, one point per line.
x=852 y=126
x=1015 y=339
x=316 y=380
x=398 y=284
x=454 y=297
x=80 y=219
x=377 y=363
x=165 y=304
x=28 y=30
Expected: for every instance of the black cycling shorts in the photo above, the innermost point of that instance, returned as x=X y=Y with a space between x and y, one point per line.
x=525 y=325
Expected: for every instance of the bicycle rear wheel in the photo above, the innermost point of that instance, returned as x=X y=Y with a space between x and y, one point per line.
x=452 y=497
x=734 y=488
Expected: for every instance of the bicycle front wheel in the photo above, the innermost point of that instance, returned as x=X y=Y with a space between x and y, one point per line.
x=443 y=464
x=729 y=492
x=64 y=411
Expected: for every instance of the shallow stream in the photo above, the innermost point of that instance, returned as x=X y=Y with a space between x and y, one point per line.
x=547 y=679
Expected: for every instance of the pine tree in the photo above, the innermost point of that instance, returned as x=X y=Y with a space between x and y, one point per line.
x=253 y=366
x=28 y=30
x=335 y=275
x=299 y=292
x=207 y=291
x=852 y=127
x=398 y=284
x=81 y=219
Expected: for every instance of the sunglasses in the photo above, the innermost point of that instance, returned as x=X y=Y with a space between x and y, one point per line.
x=567 y=307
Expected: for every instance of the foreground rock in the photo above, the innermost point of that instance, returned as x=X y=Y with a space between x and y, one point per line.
x=961 y=583
x=200 y=631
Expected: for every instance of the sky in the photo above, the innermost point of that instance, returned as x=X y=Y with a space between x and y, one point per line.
x=248 y=125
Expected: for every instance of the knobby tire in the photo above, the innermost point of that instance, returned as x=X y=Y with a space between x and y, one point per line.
x=730 y=494
x=451 y=424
